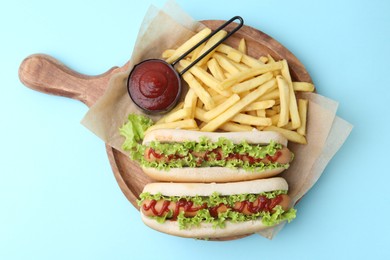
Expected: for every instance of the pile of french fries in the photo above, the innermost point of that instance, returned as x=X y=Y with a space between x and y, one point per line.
x=231 y=91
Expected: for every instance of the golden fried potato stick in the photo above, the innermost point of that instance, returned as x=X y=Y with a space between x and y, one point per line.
x=260 y=105
x=242 y=46
x=302 y=107
x=252 y=83
x=183 y=124
x=289 y=134
x=199 y=90
x=236 y=108
x=251 y=120
x=206 y=78
x=235 y=56
x=303 y=86
x=294 y=115
x=176 y=108
x=234 y=127
x=190 y=103
x=215 y=69
x=284 y=101
x=213 y=113
x=237 y=78
x=210 y=43
x=226 y=64
x=189 y=44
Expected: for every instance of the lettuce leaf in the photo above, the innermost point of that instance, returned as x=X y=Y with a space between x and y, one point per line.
x=133 y=131
x=212 y=200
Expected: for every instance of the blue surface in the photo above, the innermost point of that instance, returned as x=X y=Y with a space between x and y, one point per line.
x=59 y=198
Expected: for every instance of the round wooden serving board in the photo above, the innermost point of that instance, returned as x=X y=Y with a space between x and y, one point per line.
x=46 y=74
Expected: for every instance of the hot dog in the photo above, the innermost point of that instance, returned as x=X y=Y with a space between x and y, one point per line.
x=193 y=156
x=215 y=210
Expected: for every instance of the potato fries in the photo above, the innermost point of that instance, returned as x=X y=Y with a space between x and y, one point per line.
x=232 y=91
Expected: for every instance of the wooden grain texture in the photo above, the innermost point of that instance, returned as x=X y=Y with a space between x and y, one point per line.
x=46 y=74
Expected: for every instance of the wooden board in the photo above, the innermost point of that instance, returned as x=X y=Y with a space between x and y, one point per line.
x=46 y=74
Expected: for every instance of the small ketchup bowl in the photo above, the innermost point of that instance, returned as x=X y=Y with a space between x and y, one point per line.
x=155 y=86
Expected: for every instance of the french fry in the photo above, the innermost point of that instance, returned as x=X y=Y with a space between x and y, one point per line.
x=247 y=60
x=199 y=103
x=183 y=124
x=199 y=114
x=226 y=64
x=284 y=101
x=234 y=127
x=195 y=53
x=190 y=103
x=273 y=94
x=210 y=43
x=209 y=115
x=289 y=134
x=270 y=61
x=260 y=105
x=189 y=44
x=261 y=113
x=219 y=100
x=251 y=62
x=237 y=78
x=251 y=120
x=276 y=108
x=294 y=115
x=178 y=115
x=240 y=66
x=270 y=112
x=263 y=59
x=215 y=69
x=236 y=108
x=235 y=55
x=251 y=113
x=242 y=46
x=302 y=108
x=303 y=86
x=206 y=78
x=289 y=126
x=176 y=108
x=252 y=83
x=223 y=48
x=275 y=119
x=199 y=90
x=167 y=53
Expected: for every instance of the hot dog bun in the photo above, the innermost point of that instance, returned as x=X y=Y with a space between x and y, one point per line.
x=206 y=230
x=209 y=174
x=206 y=189
x=177 y=135
x=214 y=173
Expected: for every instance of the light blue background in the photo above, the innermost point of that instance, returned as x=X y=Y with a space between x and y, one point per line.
x=59 y=198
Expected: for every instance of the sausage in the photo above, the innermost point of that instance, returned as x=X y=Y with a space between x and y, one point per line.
x=282 y=156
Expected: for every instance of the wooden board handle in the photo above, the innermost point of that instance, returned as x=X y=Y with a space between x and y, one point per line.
x=46 y=74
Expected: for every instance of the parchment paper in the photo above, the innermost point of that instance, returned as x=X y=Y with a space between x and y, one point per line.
x=168 y=28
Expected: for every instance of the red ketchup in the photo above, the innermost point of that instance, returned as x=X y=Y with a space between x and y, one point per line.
x=154 y=86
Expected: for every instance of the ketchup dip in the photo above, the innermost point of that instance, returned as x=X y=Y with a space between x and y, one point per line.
x=154 y=86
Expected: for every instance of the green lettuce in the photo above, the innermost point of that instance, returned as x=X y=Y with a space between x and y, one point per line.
x=204 y=216
x=267 y=218
x=133 y=131
x=213 y=200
